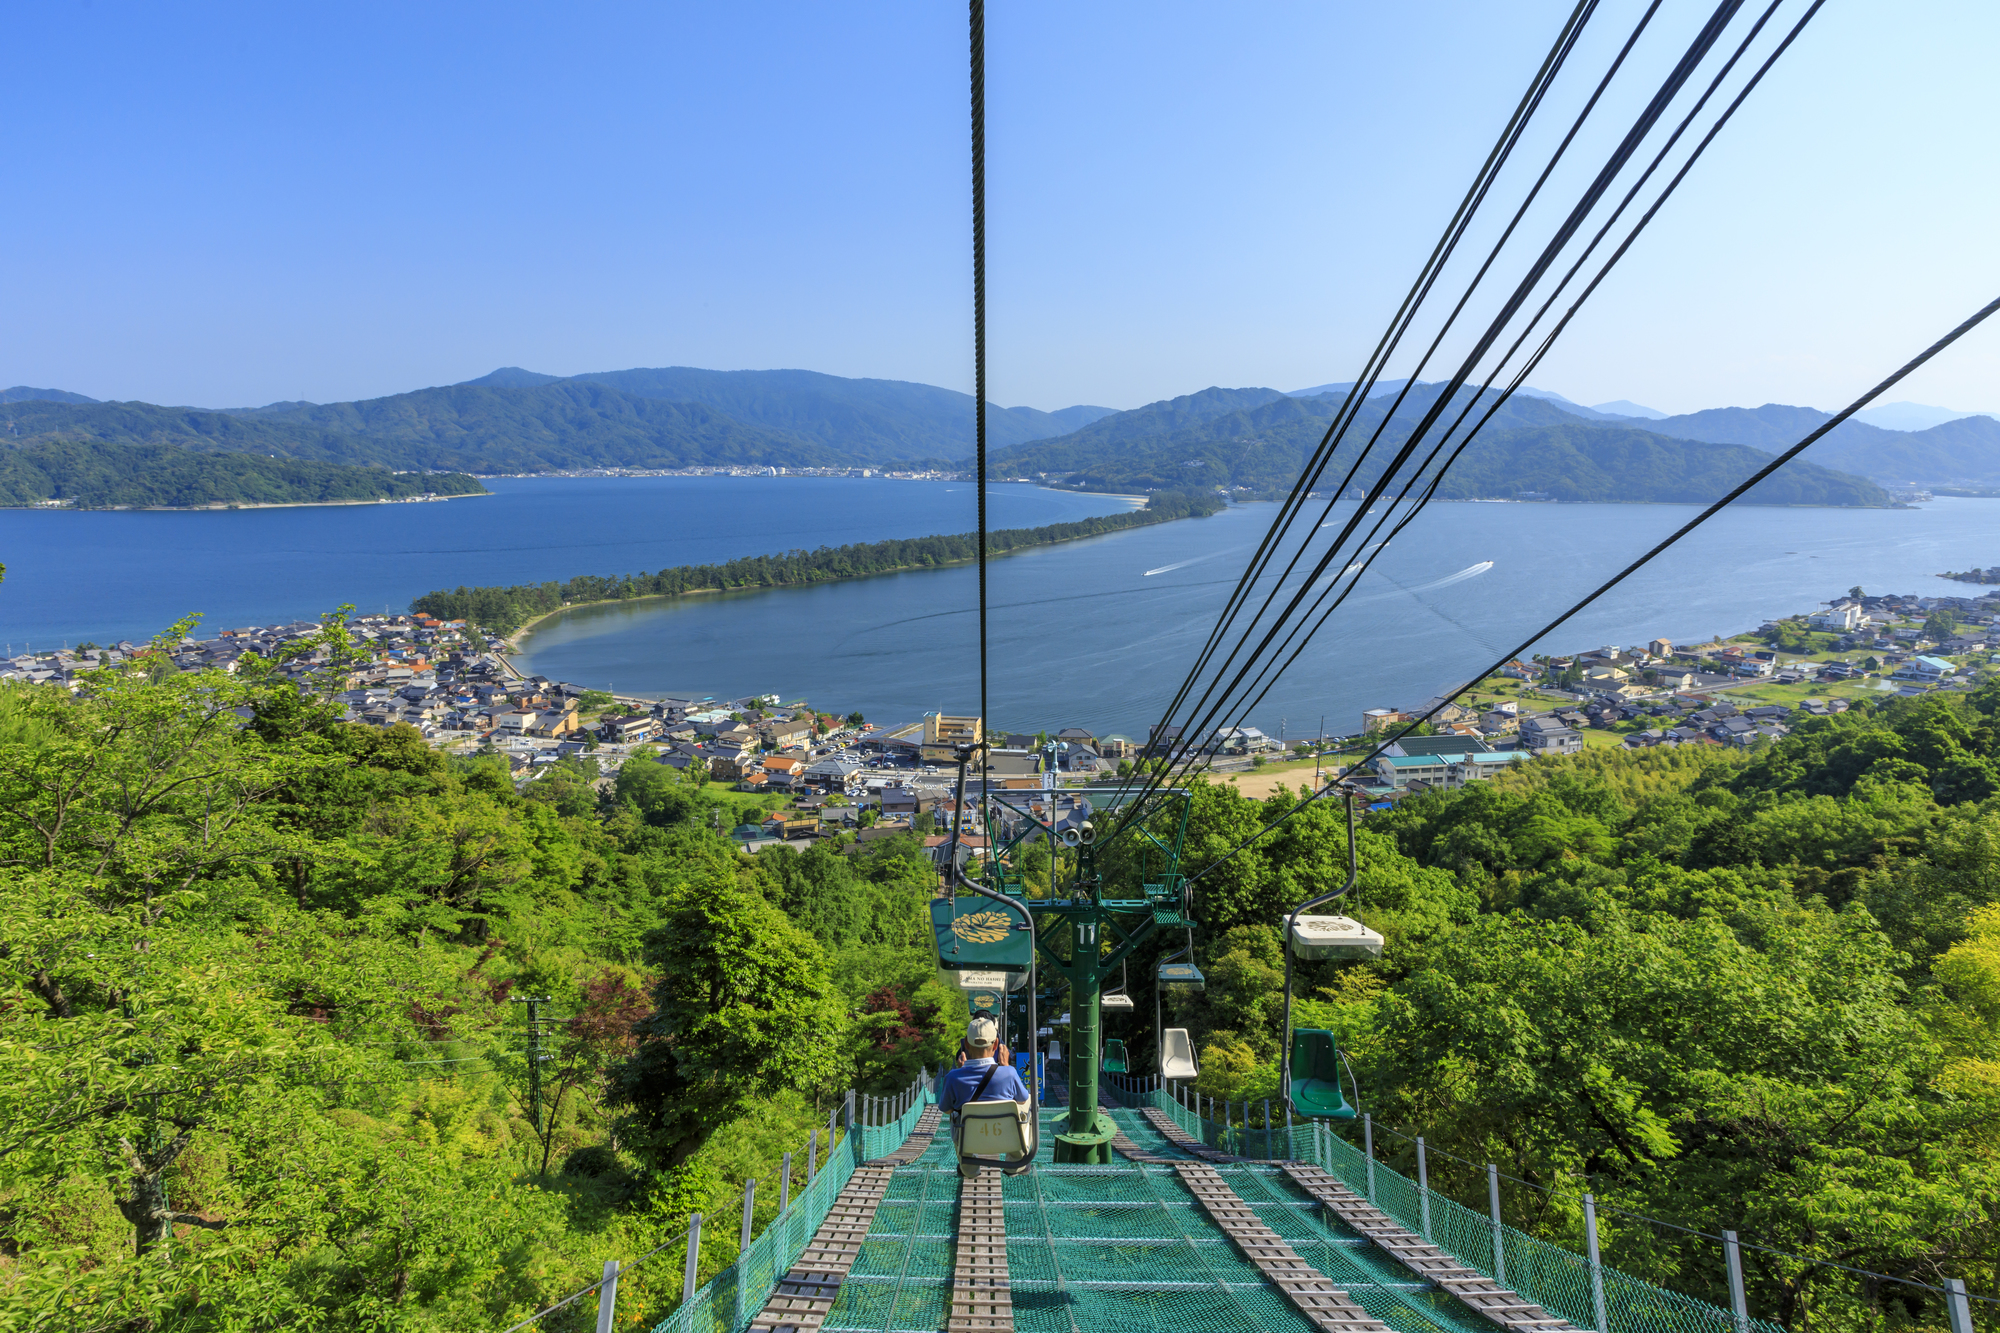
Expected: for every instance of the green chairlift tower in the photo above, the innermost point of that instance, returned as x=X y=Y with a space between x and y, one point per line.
x=1113 y=879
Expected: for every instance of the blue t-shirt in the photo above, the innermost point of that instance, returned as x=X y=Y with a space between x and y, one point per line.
x=962 y=1082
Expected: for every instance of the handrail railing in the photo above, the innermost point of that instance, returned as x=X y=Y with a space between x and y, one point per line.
x=731 y=1298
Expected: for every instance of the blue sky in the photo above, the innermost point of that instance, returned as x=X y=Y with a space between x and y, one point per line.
x=225 y=205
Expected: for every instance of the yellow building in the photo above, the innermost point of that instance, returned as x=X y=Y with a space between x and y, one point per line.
x=943 y=735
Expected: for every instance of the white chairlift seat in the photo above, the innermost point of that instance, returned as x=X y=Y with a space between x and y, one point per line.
x=1116 y=1002
x=1176 y=1054
x=999 y=1134
x=1333 y=937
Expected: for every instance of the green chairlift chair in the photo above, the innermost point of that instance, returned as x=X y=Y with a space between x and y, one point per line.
x=1113 y=1060
x=1316 y=1065
x=1309 y=1074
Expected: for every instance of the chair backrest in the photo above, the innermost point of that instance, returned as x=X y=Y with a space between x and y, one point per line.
x=1316 y=1091
x=1114 y=1056
x=1176 y=1054
x=992 y=1129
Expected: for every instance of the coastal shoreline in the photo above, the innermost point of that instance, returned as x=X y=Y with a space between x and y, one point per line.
x=517 y=640
x=224 y=508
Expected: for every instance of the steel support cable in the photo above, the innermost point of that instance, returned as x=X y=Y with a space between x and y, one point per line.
x=1413 y=300
x=1976 y=319
x=1372 y=550
x=1315 y=466
x=1351 y=408
x=976 y=22
x=1573 y=223
x=1620 y=156
x=1399 y=323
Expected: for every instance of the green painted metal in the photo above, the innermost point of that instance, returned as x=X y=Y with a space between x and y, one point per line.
x=975 y=934
x=1316 y=1091
x=1114 y=1061
x=1102 y=900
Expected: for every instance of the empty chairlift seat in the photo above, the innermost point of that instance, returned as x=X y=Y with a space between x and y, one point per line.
x=1114 y=1057
x=999 y=1134
x=1316 y=1076
x=1176 y=1054
x=1333 y=937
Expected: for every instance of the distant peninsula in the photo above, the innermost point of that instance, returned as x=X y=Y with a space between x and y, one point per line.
x=502 y=610
x=96 y=474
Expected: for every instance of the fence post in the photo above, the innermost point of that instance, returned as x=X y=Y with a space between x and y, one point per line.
x=1741 y=1304
x=1596 y=1264
x=1268 y=1154
x=785 y=1187
x=1368 y=1146
x=749 y=1210
x=850 y=1114
x=693 y=1258
x=812 y=1154
x=1955 y=1301
x=1424 y=1190
x=607 y=1296
x=1499 y=1230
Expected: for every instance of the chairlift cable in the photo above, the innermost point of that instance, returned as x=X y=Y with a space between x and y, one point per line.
x=1310 y=474
x=1972 y=322
x=1399 y=324
x=976 y=16
x=1336 y=432
x=1371 y=549
x=1662 y=98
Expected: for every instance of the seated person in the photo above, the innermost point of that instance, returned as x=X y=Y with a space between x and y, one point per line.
x=979 y=1078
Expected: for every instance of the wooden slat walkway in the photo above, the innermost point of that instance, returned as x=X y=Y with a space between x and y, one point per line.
x=1181 y=1139
x=1326 y=1306
x=981 y=1298
x=805 y=1295
x=1499 y=1304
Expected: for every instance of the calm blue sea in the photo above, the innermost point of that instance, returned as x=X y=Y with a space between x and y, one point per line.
x=108 y=576
x=1094 y=633
x=1099 y=633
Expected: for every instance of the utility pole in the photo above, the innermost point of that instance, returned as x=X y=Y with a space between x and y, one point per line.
x=535 y=1057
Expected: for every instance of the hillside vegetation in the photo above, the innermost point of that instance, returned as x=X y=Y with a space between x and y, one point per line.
x=94 y=475
x=1259 y=440
x=266 y=1068
x=876 y=419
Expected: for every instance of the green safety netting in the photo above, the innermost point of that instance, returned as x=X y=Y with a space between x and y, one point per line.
x=732 y=1297
x=1125 y=1247
x=1555 y=1278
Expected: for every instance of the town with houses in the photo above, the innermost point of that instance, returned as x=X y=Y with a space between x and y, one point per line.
x=817 y=775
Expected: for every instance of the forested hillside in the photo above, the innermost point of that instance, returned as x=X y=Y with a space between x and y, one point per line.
x=258 y=973
x=265 y=1068
x=869 y=418
x=93 y=475
x=1757 y=993
x=1259 y=440
x=553 y=427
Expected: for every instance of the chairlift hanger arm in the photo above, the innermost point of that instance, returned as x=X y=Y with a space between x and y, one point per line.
x=958 y=877
x=1291 y=924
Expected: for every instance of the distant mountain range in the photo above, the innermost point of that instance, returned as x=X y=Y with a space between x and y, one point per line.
x=515 y=420
x=1257 y=440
